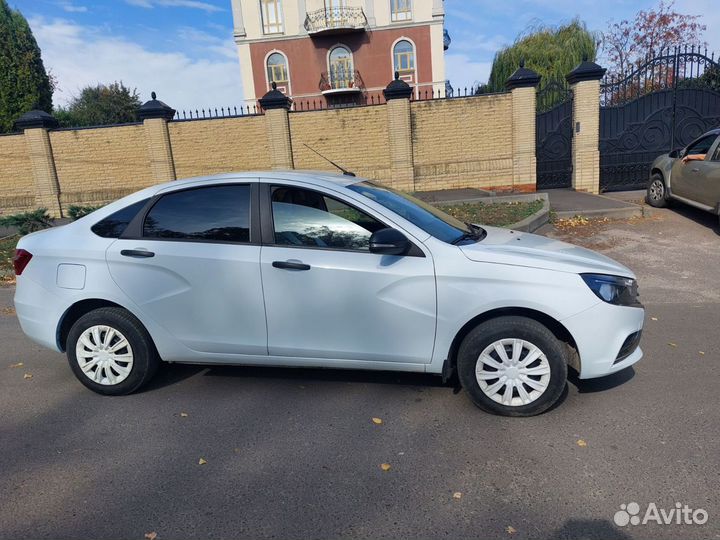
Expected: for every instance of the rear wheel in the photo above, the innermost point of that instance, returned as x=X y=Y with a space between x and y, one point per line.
x=110 y=352
x=512 y=366
x=657 y=191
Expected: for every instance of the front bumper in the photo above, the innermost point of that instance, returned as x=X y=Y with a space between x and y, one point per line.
x=600 y=334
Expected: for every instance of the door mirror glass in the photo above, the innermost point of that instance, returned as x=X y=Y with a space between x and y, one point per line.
x=677 y=153
x=389 y=242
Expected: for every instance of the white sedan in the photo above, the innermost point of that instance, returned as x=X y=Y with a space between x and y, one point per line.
x=321 y=270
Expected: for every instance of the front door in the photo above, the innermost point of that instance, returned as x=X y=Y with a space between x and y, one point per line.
x=685 y=175
x=193 y=270
x=328 y=297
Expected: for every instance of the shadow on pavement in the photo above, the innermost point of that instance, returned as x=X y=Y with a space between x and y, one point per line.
x=588 y=529
x=706 y=219
x=589 y=386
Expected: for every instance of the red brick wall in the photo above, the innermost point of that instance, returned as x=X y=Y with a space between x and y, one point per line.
x=372 y=57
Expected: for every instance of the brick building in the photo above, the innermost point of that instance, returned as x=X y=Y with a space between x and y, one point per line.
x=339 y=51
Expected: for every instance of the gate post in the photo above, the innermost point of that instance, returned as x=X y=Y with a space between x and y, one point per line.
x=585 y=84
x=397 y=96
x=522 y=84
x=276 y=106
x=155 y=116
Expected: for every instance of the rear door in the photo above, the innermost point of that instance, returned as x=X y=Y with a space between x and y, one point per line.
x=191 y=262
x=328 y=297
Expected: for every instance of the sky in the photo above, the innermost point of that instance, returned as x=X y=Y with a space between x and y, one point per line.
x=183 y=49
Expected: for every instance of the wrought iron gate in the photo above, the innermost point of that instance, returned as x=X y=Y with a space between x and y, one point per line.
x=554 y=136
x=664 y=104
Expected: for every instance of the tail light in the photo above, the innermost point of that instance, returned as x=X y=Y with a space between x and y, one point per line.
x=21 y=260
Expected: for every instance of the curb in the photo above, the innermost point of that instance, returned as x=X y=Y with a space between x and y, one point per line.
x=530 y=224
x=611 y=213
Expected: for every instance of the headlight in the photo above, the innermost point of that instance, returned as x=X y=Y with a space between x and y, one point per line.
x=616 y=290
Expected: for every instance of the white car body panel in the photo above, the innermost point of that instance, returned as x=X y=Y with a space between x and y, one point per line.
x=217 y=303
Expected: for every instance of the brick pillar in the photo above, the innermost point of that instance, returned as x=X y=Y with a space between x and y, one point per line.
x=585 y=84
x=35 y=125
x=397 y=95
x=155 y=116
x=277 y=126
x=523 y=84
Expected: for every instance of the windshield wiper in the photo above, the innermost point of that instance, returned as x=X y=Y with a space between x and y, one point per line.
x=475 y=233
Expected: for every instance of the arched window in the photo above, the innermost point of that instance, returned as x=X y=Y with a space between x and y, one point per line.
x=277 y=71
x=341 y=68
x=404 y=57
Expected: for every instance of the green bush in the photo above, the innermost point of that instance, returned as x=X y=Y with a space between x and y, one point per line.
x=75 y=212
x=28 y=222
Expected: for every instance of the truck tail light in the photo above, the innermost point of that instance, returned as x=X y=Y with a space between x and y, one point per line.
x=21 y=260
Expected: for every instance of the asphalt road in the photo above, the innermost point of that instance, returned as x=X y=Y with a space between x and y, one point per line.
x=295 y=454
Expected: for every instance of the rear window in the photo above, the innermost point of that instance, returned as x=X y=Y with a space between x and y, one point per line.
x=115 y=224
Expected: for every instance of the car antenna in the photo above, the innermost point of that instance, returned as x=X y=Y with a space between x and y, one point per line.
x=344 y=171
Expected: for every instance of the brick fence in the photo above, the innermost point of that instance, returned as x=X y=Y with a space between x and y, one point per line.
x=485 y=141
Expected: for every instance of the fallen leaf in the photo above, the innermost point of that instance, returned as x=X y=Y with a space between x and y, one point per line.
x=19 y=364
x=183 y=415
x=581 y=442
x=702 y=353
x=654 y=318
x=377 y=421
x=510 y=529
x=151 y=535
x=27 y=376
x=672 y=344
x=202 y=461
x=457 y=495
x=8 y=311
x=385 y=467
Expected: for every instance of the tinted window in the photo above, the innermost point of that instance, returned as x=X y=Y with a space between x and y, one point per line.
x=428 y=218
x=702 y=146
x=115 y=224
x=307 y=218
x=220 y=213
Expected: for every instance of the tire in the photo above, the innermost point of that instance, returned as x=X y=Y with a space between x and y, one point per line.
x=549 y=370
x=657 y=192
x=107 y=372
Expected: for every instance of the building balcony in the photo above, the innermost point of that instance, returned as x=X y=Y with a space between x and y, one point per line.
x=339 y=20
x=446 y=39
x=340 y=82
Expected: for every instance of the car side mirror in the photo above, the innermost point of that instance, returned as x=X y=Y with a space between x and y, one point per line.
x=675 y=153
x=389 y=242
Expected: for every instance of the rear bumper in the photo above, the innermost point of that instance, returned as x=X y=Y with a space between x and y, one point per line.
x=39 y=312
x=600 y=333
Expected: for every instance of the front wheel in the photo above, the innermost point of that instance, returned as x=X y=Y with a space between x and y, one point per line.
x=512 y=366
x=657 y=192
x=111 y=352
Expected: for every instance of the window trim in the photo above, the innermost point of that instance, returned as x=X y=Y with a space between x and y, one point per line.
x=413 y=72
x=268 y=82
x=281 y=18
x=134 y=231
x=267 y=223
x=393 y=12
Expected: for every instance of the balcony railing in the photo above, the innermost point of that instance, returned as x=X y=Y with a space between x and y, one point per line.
x=335 y=20
x=446 y=39
x=341 y=81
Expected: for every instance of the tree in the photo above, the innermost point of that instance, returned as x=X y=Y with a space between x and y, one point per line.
x=101 y=105
x=627 y=44
x=24 y=83
x=552 y=52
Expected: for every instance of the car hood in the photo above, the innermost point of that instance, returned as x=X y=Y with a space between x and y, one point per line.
x=503 y=246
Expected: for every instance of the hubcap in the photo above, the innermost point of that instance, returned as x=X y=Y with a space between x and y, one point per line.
x=657 y=190
x=512 y=372
x=104 y=355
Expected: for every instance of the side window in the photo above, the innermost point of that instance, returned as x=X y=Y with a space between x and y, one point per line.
x=115 y=224
x=716 y=156
x=702 y=146
x=307 y=218
x=218 y=213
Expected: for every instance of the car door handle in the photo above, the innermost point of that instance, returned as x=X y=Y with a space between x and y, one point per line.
x=137 y=253
x=696 y=170
x=289 y=265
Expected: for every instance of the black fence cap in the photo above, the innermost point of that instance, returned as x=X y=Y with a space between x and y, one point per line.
x=275 y=99
x=397 y=89
x=36 y=119
x=586 y=71
x=155 y=109
x=522 y=78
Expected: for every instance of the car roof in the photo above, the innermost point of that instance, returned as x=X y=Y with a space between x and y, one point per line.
x=319 y=178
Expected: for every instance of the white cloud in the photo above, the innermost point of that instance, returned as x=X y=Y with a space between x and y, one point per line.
x=462 y=71
x=193 y=4
x=79 y=56
x=72 y=8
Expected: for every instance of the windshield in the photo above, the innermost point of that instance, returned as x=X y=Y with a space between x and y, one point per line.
x=431 y=220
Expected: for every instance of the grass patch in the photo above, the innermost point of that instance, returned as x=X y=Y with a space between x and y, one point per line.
x=7 y=252
x=494 y=214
